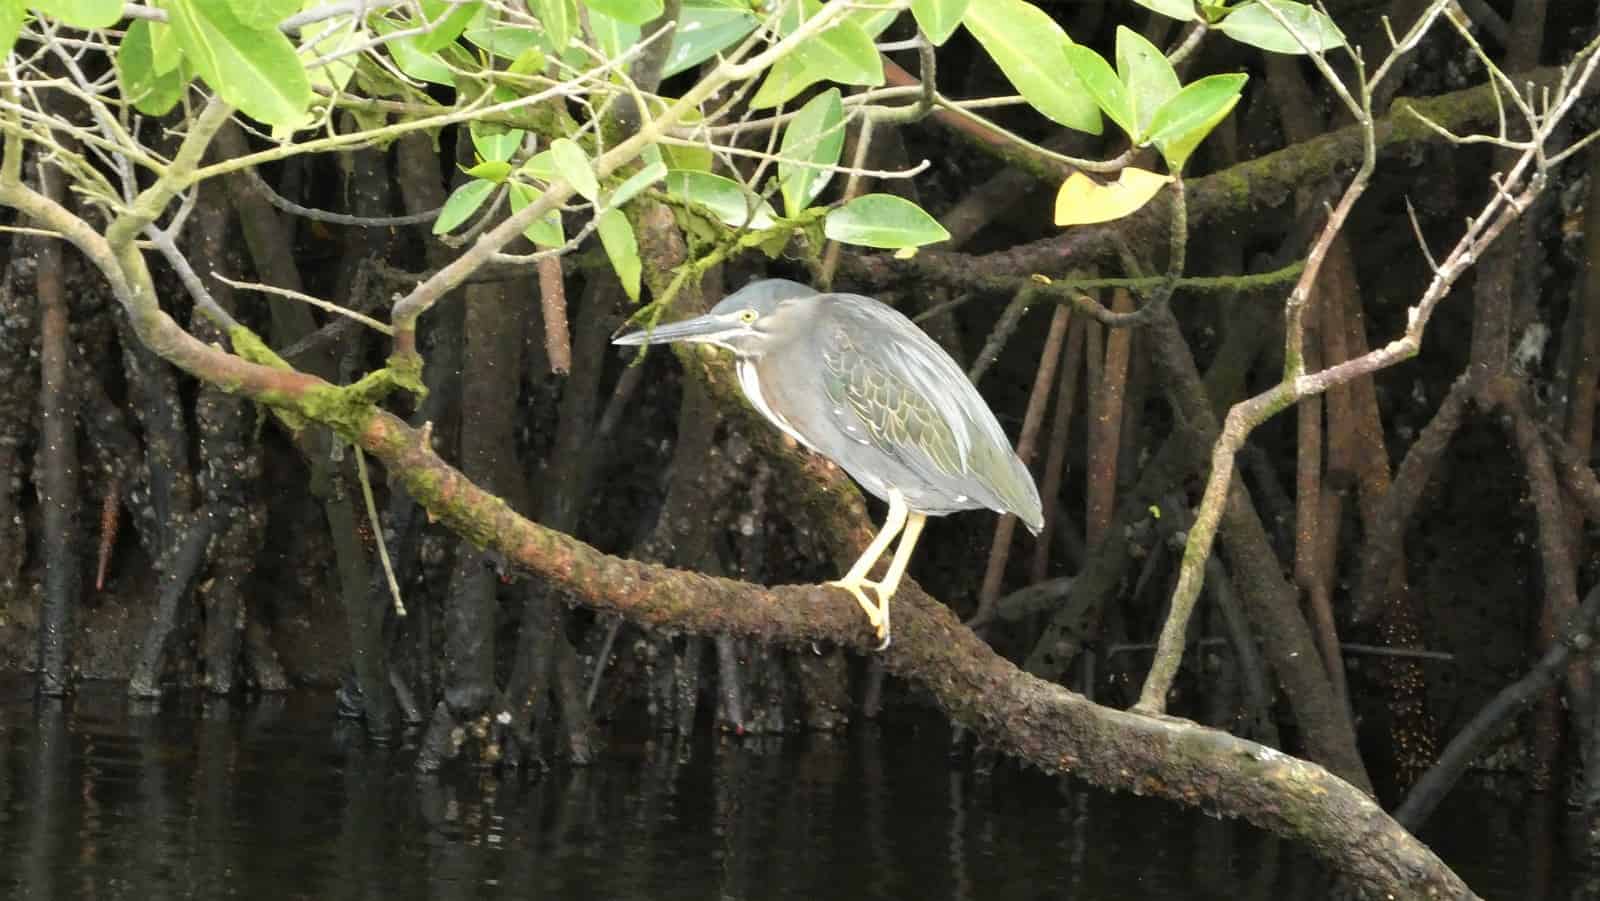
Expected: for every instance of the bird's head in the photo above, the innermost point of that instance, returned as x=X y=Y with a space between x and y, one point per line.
x=745 y=322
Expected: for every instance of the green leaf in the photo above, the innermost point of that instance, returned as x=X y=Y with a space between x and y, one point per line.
x=256 y=70
x=136 y=69
x=1182 y=10
x=462 y=203
x=637 y=182
x=842 y=52
x=633 y=12
x=490 y=170
x=1183 y=122
x=938 y=18
x=264 y=13
x=1102 y=83
x=815 y=135
x=493 y=143
x=151 y=92
x=883 y=220
x=616 y=236
x=612 y=36
x=560 y=21
x=509 y=43
x=448 y=20
x=81 y=13
x=1252 y=24
x=679 y=156
x=164 y=47
x=529 y=62
x=728 y=200
x=573 y=165
x=787 y=78
x=339 y=33
x=876 y=20
x=703 y=32
x=12 y=12
x=419 y=65
x=542 y=166
x=1029 y=47
x=684 y=156
x=544 y=232
x=411 y=61
x=1149 y=77
x=167 y=91
x=791 y=75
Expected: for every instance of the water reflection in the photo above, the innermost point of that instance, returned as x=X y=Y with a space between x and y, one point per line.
x=101 y=799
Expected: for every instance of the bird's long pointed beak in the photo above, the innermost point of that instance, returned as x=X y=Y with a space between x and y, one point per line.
x=700 y=328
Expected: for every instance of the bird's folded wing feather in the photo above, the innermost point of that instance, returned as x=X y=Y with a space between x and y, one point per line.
x=884 y=402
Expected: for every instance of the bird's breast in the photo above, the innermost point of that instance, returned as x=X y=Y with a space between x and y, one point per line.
x=750 y=384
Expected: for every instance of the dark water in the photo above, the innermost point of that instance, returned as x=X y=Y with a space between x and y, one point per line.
x=104 y=799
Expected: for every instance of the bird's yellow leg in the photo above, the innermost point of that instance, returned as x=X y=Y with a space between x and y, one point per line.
x=897 y=569
x=856 y=578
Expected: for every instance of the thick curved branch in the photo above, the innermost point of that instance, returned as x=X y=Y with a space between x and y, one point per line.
x=1040 y=722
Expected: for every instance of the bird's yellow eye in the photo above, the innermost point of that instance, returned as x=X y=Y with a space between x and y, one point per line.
x=747 y=316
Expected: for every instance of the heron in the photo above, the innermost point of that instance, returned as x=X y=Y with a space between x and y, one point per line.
x=854 y=380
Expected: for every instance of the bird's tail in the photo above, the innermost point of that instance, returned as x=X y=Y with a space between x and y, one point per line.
x=1014 y=488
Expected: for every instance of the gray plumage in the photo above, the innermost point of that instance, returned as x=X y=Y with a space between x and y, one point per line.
x=856 y=381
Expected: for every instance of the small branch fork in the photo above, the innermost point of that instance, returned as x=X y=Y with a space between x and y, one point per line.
x=1514 y=191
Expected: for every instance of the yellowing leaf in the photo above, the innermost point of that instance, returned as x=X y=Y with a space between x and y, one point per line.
x=1084 y=201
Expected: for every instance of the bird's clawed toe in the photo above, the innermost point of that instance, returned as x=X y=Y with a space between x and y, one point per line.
x=877 y=613
x=855 y=587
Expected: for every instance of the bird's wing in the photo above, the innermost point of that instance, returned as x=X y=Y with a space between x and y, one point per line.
x=918 y=405
x=882 y=381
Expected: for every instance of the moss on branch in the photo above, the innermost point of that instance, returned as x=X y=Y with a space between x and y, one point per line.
x=1043 y=724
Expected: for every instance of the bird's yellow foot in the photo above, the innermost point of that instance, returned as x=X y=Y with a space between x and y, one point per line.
x=877 y=614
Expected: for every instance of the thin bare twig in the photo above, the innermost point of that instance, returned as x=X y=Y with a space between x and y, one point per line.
x=1524 y=181
x=377 y=532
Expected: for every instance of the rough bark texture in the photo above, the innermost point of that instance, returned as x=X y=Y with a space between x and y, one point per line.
x=1250 y=189
x=1043 y=724
x=230 y=457
x=58 y=465
x=19 y=375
